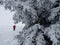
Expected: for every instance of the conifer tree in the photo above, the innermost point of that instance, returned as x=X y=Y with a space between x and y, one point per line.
x=41 y=19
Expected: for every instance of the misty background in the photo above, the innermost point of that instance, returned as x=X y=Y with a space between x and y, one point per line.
x=7 y=34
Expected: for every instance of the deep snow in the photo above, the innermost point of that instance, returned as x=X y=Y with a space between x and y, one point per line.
x=7 y=35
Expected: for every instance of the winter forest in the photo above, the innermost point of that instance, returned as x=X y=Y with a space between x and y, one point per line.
x=41 y=19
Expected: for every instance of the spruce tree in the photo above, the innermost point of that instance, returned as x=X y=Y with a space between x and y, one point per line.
x=41 y=19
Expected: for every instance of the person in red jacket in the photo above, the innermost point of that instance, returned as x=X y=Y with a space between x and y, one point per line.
x=14 y=27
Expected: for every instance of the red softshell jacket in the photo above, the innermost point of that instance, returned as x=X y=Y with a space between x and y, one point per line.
x=14 y=27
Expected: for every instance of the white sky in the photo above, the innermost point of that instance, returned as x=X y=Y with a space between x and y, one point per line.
x=6 y=17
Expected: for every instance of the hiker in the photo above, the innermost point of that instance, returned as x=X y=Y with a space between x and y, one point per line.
x=14 y=27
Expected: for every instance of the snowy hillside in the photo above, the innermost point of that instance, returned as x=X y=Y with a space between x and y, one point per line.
x=7 y=35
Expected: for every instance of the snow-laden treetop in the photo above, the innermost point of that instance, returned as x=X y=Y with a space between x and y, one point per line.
x=30 y=12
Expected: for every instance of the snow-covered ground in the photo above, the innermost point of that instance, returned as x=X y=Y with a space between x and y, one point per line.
x=7 y=35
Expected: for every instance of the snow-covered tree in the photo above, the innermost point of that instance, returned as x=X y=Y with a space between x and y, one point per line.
x=41 y=19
